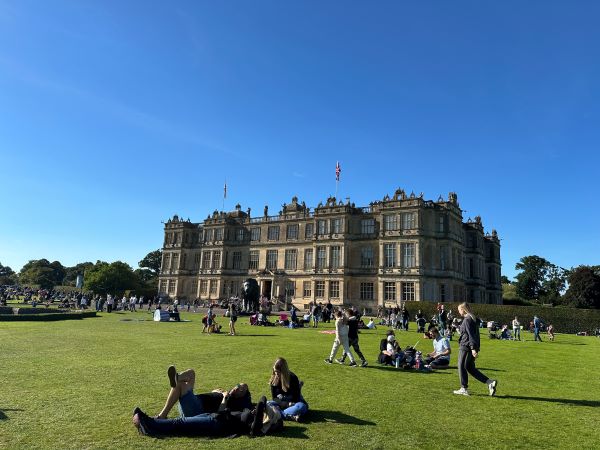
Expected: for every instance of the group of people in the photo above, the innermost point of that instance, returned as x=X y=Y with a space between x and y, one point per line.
x=225 y=412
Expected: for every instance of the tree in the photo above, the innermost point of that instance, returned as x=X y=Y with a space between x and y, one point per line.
x=112 y=278
x=152 y=262
x=72 y=272
x=7 y=275
x=539 y=280
x=43 y=273
x=584 y=288
x=504 y=279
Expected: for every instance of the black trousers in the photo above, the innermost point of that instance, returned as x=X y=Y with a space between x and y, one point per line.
x=354 y=344
x=466 y=365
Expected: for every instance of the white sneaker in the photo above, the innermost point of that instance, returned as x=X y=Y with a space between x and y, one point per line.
x=492 y=387
x=462 y=391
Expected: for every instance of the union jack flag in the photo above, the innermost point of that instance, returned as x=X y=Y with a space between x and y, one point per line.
x=338 y=170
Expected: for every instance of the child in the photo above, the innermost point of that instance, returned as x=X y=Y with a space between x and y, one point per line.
x=551 y=332
x=341 y=338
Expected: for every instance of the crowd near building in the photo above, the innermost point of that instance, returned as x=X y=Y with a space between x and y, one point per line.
x=401 y=248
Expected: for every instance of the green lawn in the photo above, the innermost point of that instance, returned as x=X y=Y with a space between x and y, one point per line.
x=73 y=384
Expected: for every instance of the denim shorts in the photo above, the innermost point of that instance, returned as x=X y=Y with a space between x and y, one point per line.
x=190 y=405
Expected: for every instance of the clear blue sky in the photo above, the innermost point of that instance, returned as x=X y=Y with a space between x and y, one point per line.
x=116 y=115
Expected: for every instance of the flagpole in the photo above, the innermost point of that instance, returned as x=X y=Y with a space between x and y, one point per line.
x=224 y=195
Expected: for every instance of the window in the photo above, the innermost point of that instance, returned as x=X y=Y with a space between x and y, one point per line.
x=291 y=257
x=443 y=257
x=184 y=261
x=162 y=286
x=206 y=260
x=408 y=292
x=335 y=256
x=175 y=261
x=253 y=260
x=197 y=261
x=309 y=230
x=366 y=257
x=408 y=254
x=272 y=259
x=321 y=257
x=166 y=262
x=292 y=232
x=441 y=220
x=389 y=222
x=208 y=235
x=490 y=275
x=336 y=226
x=216 y=260
x=334 y=289
x=290 y=288
x=240 y=234
x=321 y=227
x=219 y=234
x=471 y=268
x=367 y=226
x=237 y=260
x=319 y=289
x=366 y=291
x=306 y=288
x=389 y=255
x=213 y=287
x=172 y=286
x=273 y=233
x=255 y=234
x=408 y=221
x=308 y=259
x=471 y=240
x=389 y=291
x=442 y=292
x=203 y=287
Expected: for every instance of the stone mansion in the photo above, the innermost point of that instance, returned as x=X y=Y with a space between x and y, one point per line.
x=401 y=248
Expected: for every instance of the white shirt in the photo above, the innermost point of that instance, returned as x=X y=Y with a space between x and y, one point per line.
x=371 y=324
x=440 y=345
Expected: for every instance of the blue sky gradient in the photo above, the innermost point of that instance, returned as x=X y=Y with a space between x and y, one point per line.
x=116 y=115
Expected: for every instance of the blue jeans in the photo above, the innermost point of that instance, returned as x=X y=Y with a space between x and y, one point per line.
x=536 y=335
x=297 y=409
x=190 y=405
x=201 y=425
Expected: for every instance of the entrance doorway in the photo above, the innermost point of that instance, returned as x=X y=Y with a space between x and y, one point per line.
x=267 y=286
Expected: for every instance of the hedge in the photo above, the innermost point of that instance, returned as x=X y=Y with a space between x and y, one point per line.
x=46 y=317
x=565 y=320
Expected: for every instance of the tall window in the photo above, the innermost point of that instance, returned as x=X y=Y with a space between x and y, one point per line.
x=443 y=257
x=471 y=268
x=308 y=259
x=319 y=289
x=408 y=254
x=306 y=288
x=336 y=226
x=290 y=288
x=208 y=235
x=390 y=222
x=166 y=262
x=335 y=256
x=206 y=260
x=253 y=260
x=321 y=227
x=389 y=291
x=408 y=291
x=219 y=234
x=197 y=261
x=272 y=259
x=321 y=257
x=213 y=287
x=172 y=285
x=389 y=255
x=408 y=221
x=237 y=260
x=441 y=220
x=203 y=287
x=175 y=261
x=195 y=287
x=240 y=234
x=255 y=234
x=216 y=260
x=292 y=232
x=334 y=289
x=184 y=261
x=367 y=226
x=366 y=291
x=366 y=257
x=291 y=257
x=309 y=230
x=273 y=233
x=442 y=292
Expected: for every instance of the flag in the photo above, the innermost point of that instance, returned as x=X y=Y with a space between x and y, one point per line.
x=225 y=190
x=338 y=170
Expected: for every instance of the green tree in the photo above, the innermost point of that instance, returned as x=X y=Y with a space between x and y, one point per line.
x=113 y=278
x=539 y=279
x=7 y=275
x=504 y=279
x=584 y=288
x=72 y=272
x=42 y=272
x=152 y=262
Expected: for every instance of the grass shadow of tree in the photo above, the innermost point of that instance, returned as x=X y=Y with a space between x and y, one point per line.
x=565 y=401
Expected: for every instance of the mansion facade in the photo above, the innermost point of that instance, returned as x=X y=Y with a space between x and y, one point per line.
x=401 y=248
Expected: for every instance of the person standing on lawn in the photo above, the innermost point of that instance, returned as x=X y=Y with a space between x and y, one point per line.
x=353 y=337
x=341 y=338
x=469 y=350
x=537 y=326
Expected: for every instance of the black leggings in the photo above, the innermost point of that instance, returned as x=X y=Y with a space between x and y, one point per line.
x=466 y=364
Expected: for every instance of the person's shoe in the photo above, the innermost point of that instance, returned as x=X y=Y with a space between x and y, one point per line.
x=462 y=391
x=295 y=418
x=492 y=387
x=353 y=364
x=172 y=374
x=328 y=360
x=364 y=364
x=339 y=361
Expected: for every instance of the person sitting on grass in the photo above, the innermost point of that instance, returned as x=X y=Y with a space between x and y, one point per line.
x=286 y=391
x=371 y=324
x=439 y=358
x=262 y=420
x=394 y=351
x=182 y=390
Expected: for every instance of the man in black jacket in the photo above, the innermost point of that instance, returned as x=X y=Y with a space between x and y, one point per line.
x=353 y=337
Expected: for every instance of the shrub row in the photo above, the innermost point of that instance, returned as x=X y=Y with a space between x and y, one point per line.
x=46 y=317
x=565 y=320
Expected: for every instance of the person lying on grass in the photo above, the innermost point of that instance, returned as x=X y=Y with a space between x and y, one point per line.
x=262 y=420
x=182 y=390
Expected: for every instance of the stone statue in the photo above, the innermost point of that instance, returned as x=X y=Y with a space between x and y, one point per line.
x=478 y=220
x=248 y=212
x=250 y=294
x=266 y=210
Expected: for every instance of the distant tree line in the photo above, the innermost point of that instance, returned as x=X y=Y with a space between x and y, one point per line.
x=540 y=281
x=101 y=277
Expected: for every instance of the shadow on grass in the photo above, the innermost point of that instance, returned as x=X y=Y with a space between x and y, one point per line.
x=316 y=415
x=4 y=416
x=407 y=371
x=294 y=432
x=565 y=401
x=567 y=343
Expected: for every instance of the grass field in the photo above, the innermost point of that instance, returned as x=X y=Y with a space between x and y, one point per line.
x=73 y=385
